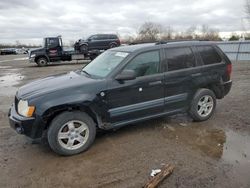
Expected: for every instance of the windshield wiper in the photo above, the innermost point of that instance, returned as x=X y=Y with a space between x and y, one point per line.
x=86 y=73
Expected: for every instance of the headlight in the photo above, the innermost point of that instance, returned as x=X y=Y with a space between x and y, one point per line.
x=24 y=109
x=33 y=55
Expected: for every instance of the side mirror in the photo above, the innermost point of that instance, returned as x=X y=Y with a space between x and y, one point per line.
x=89 y=39
x=126 y=75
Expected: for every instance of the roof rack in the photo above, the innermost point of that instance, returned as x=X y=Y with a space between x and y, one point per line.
x=170 y=41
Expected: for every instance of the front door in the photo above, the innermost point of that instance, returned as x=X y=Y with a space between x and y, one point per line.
x=54 y=49
x=139 y=98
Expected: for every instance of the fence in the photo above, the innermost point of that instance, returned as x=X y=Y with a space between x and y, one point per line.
x=236 y=50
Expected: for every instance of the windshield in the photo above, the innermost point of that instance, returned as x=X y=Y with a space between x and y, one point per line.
x=104 y=63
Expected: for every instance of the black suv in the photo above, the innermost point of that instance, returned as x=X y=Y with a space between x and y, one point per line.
x=98 y=42
x=122 y=86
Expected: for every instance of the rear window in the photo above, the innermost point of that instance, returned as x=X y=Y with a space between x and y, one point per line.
x=179 y=58
x=209 y=55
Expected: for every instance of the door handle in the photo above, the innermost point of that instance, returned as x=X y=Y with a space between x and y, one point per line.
x=155 y=83
x=196 y=74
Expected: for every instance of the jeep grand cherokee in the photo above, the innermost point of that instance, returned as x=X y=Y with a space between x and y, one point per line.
x=123 y=85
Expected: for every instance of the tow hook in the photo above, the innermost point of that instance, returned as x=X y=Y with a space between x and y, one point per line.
x=19 y=130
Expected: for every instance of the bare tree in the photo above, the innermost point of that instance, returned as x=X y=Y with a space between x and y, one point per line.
x=208 y=33
x=247 y=7
x=190 y=32
x=167 y=33
x=149 y=32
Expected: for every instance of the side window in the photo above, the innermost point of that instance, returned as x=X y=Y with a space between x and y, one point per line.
x=102 y=37
x=113 y=37
x=94 y=37
x=52 y=42
x=179 y=58
x=209 y=55
x=145 y=64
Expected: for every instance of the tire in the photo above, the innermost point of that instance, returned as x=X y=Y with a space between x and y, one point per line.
x=77 y=131
x=42 y=62
x=203 y=105
x=113 y=45
x=84 y=48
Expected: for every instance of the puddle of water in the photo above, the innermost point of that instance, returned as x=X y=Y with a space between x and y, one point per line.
x=228 y=146
x=15 y=59
x=21 y=58
x=7 y=83
x=237 y=148
x=5 y=67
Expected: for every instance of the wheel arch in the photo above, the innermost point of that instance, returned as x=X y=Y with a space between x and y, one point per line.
x=217 y=89
x=52 y=112
x=41 y=56
x=84 y=43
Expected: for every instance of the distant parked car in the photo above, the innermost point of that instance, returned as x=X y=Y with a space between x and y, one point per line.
x=6 y=51
x=97 y=42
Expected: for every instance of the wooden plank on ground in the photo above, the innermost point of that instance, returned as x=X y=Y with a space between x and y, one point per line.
x=156 y=180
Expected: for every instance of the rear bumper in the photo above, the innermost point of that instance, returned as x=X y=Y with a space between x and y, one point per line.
x=227 y=87
x=31 y=127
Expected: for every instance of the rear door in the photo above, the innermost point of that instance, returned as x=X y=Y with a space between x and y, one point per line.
x=213 y=66
x=180 y=77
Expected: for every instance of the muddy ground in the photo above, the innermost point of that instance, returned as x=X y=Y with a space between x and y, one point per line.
x=215 y=153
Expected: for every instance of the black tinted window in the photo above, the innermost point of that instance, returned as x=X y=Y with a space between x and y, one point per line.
x=113 y=37
x=94 y=37
x=52 y=42
x=209 y=55
x=145 y=64
x=103 y=37
x=179 y=58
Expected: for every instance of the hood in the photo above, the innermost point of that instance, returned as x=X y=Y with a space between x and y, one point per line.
x=57 y=83
x=36 y=50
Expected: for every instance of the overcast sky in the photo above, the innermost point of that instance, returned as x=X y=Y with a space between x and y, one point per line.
x=29 y=21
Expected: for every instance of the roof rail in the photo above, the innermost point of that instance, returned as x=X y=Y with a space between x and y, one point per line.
x=181 y=40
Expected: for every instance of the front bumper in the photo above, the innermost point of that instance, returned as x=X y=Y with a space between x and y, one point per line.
x=31 y=127
x=32 y=59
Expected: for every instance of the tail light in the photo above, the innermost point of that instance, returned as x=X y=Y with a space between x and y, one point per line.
x=229 y=69
x=119 y=41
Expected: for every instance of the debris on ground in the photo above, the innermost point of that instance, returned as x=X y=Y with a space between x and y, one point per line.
x=155 y=172
x=183 y=124
x=163 y=173
x=169 y=127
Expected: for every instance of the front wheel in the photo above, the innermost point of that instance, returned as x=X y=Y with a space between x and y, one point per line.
x=42 y=62
x=203 y=105
x=71 y=133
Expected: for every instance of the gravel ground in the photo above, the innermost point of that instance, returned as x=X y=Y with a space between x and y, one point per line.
x=215 y=153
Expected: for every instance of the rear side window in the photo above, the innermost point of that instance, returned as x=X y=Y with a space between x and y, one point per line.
x=209 y=55
x=113 y=37
x=179 y=58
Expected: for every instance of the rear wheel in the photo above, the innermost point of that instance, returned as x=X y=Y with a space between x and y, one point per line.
x=203 y=105
x=71 y=133
x=112 y=45
x=42 y=62
x=84 y=48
